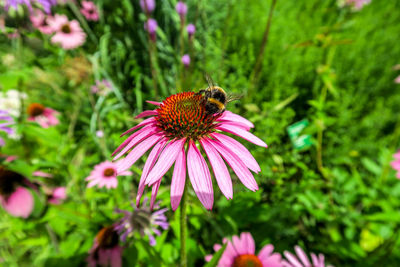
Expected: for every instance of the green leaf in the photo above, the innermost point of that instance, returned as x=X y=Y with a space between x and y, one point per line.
x=217 y=256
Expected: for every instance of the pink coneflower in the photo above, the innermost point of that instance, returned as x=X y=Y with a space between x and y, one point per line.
x=396 y=163
x=186 y=60
x=57 y=196
x=39 y=21
x=241 y=252
x=142 y=220
x=302 y=260
x=175 y=128
x=181 y=8
x=89 y=10
x=68 y=33
x=191 y=29
x=44 y=116
x=106 y=250
x=151 y=27
x=105 y=175
x=14 y=197
x=147 y=6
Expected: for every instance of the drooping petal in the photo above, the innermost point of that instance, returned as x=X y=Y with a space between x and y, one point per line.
x=236 y=164
x=230 y=128
x=178 y=179
x=200 y=177
x=232 y=117
x=154 y=192
x=302 y=256
x=137 y=152
x=221 y=172
x=146 y=113
x=238 y=149
x=153 y=156
x=141 y=124
x=167 y=158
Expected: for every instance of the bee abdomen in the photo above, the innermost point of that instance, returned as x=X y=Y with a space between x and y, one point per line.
x=214 y=106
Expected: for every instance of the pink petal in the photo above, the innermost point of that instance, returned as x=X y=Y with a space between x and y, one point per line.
x=178 y=179
x=236 y=164
x=242 y=133
x=42 y=174
x=230 y=116
x=302 y=256
x=275 y=260
x=265 y=251
x=221 y=172
x=138 y=136
x=137 y=152
x=292 y=259
x=248 y=243
x=167 y=158
x=238 y=149
x=154 y=192
x=154 y=102
x=315 y=260
x=147 y=167
x=129 y=139
x=141 y=124
x=207 y=258
x=200 y=177
x=239 y=245
x=146 y=113
x=19 y=203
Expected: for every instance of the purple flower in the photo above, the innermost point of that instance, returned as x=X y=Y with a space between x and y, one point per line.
x=46 y=4
x=143 y=220
x=151 y=26
x=186 y=60
x=181 y=8
x=5 y=126
x=148 y=6
x=191 y=29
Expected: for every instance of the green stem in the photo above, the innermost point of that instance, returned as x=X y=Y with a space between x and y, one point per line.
x=183 y=225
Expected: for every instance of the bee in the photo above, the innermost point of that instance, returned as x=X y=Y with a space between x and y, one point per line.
x=215 y=98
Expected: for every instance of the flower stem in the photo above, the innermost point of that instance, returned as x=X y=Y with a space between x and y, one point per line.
x=183 y=225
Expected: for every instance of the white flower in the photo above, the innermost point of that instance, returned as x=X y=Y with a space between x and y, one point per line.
x=11 y=101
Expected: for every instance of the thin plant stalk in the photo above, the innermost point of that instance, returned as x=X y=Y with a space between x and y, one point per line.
x=183 y=228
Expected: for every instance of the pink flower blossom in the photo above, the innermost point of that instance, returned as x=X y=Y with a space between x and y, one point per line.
x=39 y=21
x=191 y=29
x=357 y=4
x=396 y=164
x=151 y=26
x=58 y=195
x=89 y=10
x=241 y=252
x=177 y=129
x=15 y=199
x=397 y=80
x=147 y=6
x=67 y=33
x=302 y=260
x=186 y=60
x=181 y=8
x=105 y=250
x=45 y=117
x=105 y=175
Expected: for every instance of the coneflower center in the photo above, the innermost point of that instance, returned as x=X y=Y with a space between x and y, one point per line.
x=66 y=28
x=184 y=115
x=109 y=172
x=247 y=260
x=107 y=237
x=35 y=109
x=9 y=181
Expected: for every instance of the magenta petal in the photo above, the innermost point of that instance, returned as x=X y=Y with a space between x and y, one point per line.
x=266 y=251
x=139 y=136
x=137 y=152
x=141 y=124
x=232 y=117
x=167 y=158
x=238 y=149
x=200 y=177
x=302 y=256
x=178 y=179
x=221 y=172
x=292 y=259
x=236 y=164
x=147 y=167
x=147 y=113
x=154 y=102
x=121 y=146
x=154 y=192
x=248 y=243
x=19 y=203
x=230 y=128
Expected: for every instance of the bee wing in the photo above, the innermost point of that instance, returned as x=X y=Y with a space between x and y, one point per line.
x=209 y=80
x=233 y=97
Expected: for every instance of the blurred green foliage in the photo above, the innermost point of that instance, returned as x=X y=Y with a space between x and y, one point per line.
x=321 y=63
